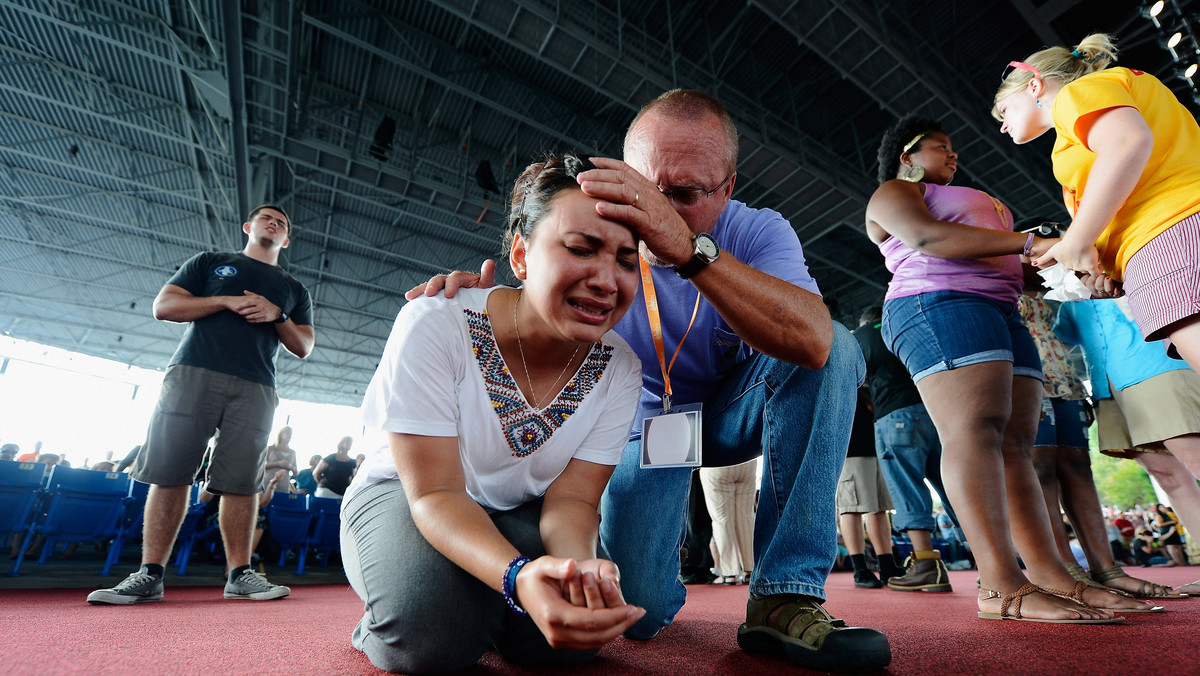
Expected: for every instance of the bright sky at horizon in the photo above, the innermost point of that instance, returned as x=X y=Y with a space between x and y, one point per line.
x=85 y=407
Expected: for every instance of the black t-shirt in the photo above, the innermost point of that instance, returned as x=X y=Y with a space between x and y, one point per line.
x=862 y=432
x=337 y=475
x=891 y=386
x=224 y=341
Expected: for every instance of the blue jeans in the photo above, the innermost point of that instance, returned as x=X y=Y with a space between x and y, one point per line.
x=799 y=419
x=909 y=453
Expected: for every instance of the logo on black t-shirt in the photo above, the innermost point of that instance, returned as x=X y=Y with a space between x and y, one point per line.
x=225 y=271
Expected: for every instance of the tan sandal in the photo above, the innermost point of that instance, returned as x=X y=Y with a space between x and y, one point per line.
x=1146 y=589
x=1076 y=595
x=1007 y=601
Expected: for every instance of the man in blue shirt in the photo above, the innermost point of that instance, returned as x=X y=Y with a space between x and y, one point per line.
x=774 y=374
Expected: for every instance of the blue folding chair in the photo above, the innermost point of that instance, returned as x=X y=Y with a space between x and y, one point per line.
x=193 y=529
x=326 y=532
x=21 y=486
x=290 y=522
x=81 y=505
x=130 y=525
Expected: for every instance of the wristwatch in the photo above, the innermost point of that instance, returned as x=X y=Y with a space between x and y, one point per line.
x=705 y=251
x=283 y=317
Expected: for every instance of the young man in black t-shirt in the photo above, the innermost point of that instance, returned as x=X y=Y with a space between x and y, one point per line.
x=238 y=308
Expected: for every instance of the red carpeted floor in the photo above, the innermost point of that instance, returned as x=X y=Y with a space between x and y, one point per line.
x=194 y=630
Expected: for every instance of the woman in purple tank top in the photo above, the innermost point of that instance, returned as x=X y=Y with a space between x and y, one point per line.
x=950 y=315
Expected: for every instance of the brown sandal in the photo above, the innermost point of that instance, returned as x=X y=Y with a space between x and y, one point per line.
x=1146 y=589
x=1007 y=600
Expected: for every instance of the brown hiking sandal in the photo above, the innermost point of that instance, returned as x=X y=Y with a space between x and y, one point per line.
x=798 y=628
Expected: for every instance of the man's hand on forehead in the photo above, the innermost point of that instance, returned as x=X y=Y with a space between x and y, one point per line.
x=627 y=196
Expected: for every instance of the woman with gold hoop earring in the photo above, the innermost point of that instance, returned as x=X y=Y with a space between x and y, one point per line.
x=951 y=316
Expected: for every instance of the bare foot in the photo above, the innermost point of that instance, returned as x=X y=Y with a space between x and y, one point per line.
x=1042 y=606
x=1100 y=598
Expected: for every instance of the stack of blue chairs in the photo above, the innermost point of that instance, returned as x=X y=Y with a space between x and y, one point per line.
x=73 y=505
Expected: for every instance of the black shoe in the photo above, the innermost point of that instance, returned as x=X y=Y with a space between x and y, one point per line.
x=699 y=577
x=866 y=579
x=812 y=638
x=888 y=568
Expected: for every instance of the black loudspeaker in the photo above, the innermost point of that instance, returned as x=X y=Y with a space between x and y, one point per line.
x=485 y=178
x=385 y=133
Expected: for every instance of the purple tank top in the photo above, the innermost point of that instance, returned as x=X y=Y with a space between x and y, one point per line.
x=999 y=277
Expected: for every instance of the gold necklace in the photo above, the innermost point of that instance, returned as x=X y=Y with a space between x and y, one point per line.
x=521 y=350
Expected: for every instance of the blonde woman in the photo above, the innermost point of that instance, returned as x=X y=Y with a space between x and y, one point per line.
x=1128 y=158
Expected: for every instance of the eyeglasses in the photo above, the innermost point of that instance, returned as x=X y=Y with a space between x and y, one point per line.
x=689 y=196
x=1020 y=65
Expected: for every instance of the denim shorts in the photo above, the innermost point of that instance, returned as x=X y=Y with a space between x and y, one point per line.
x=1064 y=423
x=944 y=330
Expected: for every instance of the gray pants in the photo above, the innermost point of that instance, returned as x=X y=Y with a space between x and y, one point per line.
x=424 y=614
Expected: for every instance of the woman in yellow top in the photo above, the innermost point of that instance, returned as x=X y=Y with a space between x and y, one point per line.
x=1128 y=158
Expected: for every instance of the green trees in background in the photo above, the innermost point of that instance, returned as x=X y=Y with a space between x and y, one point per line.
x=1121 y=483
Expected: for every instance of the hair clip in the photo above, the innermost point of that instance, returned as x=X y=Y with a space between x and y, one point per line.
x=1076 y=53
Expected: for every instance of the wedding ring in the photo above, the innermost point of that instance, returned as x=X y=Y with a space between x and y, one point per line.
x=636 y=196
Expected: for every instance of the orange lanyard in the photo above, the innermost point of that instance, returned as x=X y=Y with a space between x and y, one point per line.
x=656 y=329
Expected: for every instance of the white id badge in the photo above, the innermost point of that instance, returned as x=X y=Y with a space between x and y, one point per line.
x=672 y=439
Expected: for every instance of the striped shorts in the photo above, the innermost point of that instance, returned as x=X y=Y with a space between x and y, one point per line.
x=1162 y=280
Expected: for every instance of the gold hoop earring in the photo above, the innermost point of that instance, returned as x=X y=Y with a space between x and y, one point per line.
x=913 y=174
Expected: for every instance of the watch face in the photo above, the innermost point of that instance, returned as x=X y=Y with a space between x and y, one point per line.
x=706 y=246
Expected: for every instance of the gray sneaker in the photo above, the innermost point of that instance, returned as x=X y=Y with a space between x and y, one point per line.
x=139 y=587
x=252 y=585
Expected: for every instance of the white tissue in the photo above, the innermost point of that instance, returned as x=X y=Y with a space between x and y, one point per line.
x=1063 y=283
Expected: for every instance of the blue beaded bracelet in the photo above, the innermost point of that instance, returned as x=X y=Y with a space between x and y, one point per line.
x=509 y=583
